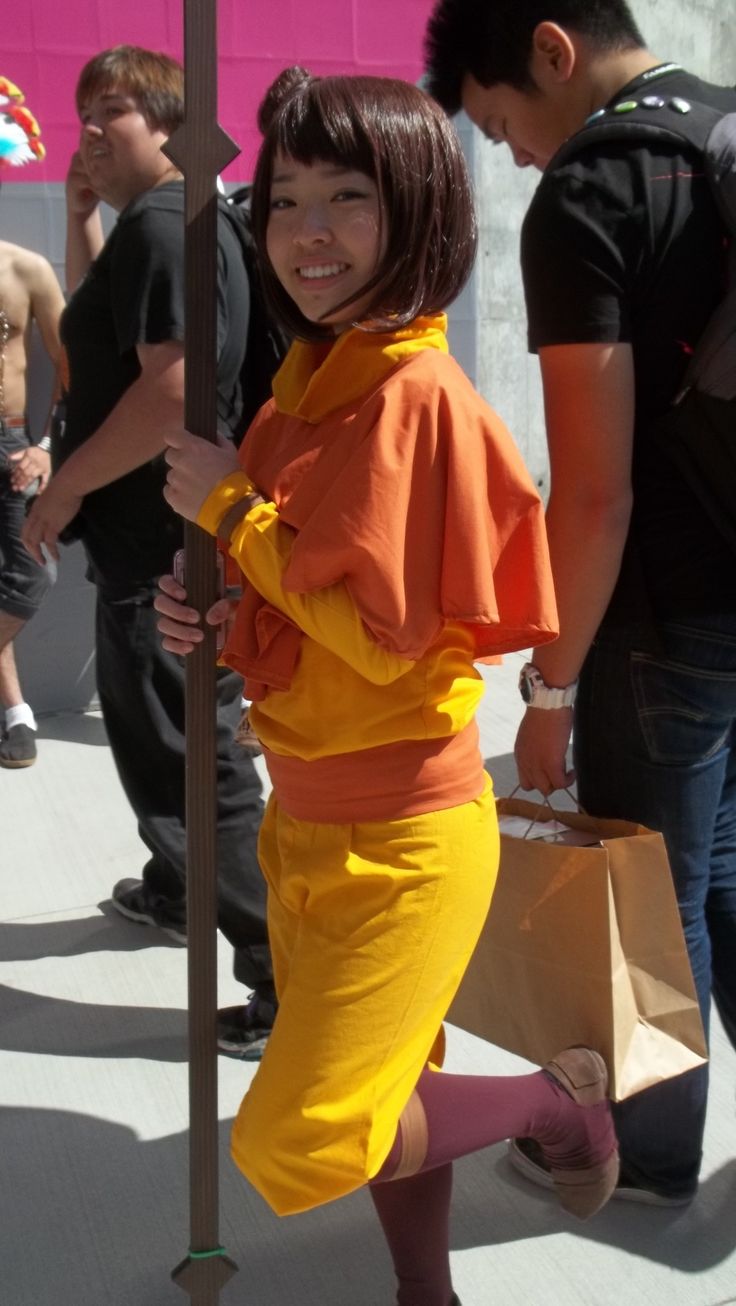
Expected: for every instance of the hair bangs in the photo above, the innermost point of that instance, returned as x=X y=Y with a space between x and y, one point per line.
x=317 y=126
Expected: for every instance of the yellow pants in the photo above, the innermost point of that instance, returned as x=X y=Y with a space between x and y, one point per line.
x=371 y=929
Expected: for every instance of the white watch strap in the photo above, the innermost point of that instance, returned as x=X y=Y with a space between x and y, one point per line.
x=537 y=694
x=544 y=696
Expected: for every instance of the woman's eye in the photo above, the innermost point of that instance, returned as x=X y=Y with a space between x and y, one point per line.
x=350 y=195
x=277 y=205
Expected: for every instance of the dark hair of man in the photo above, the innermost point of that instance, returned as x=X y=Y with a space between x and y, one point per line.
x=396 y=135
x=492 y=39
x=155 y=81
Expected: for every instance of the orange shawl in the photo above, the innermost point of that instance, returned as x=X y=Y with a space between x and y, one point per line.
x=401 y=482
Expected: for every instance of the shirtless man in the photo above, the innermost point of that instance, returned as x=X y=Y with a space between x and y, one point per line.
x=29 y=291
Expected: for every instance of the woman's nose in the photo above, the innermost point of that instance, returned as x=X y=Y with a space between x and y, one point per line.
x=313 y=227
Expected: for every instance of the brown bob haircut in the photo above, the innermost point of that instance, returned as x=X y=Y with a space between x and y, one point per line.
x=154 y=80
x=394 y=133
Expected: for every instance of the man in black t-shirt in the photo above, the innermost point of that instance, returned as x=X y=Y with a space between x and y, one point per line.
x=123 y=334
x=623 y=261
x=133 y=297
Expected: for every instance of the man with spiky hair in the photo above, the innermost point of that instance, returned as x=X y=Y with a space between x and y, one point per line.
x=623 y=262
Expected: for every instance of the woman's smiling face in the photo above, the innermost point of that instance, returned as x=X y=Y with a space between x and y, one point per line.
x=324 y=237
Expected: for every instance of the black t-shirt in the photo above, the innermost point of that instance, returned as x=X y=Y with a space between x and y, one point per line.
x=134 y=294
x=623 y=243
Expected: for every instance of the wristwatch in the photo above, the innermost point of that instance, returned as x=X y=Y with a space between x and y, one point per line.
x=536 y=694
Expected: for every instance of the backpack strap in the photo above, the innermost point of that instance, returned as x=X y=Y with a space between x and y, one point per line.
x=653 y=120
x=648 y=120
x=721 y=167
x=713 y=365
x=266 y=343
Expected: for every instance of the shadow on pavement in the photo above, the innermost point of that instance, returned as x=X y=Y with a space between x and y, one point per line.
x=32 y=940
x=73 y=728
x=101 y=1215
x=93 y=1203
x=689 y=1239
x=59 y=1027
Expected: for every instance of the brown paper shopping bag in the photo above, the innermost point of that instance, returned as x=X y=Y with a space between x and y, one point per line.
x=583 y=944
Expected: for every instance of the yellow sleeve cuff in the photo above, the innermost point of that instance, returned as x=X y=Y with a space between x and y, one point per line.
x=227 y=492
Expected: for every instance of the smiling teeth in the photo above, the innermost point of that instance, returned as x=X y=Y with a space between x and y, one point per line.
x=326 y=270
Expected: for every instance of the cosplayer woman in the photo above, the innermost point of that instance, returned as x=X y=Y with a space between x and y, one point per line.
x=388 y=537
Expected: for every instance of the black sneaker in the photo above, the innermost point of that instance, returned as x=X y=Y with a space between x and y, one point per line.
x=243 y=1031
x=132 y=899
x=526 y=1156
x=18 y=747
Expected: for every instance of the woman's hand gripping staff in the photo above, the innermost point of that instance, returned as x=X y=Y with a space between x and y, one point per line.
x=196 y=466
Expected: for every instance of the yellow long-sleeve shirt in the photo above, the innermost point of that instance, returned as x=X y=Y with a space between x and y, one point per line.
x=349 y=696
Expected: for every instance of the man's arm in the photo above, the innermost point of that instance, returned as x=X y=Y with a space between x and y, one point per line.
x=130 y=436
x=46 y=303
x=84 y=234
x=589 y=408
x=47 y=306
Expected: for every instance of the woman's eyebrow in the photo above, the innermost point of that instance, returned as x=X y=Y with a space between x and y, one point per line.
x=327 y=170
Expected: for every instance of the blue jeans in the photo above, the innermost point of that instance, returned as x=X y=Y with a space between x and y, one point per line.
x=654 y=742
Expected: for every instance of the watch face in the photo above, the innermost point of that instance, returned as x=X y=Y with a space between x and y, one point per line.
x=525 y=687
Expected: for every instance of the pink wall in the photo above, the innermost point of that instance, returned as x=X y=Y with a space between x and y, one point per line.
x=46 y=42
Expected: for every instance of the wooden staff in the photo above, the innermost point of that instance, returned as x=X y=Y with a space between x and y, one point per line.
x=200 y=149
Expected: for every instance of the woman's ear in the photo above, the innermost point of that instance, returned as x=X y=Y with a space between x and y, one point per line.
x=553 y=55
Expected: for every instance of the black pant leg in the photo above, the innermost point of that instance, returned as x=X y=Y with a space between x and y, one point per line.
x=24 y=583
x=141 y=689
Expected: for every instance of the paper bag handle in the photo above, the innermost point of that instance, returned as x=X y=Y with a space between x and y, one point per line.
x=546 y=803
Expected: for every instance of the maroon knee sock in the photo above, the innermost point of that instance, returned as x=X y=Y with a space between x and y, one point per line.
x=464 y=1114
x=468 y=1112
x=414 y=1215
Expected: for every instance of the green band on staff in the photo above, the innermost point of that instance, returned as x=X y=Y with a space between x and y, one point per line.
x=205 y=1256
